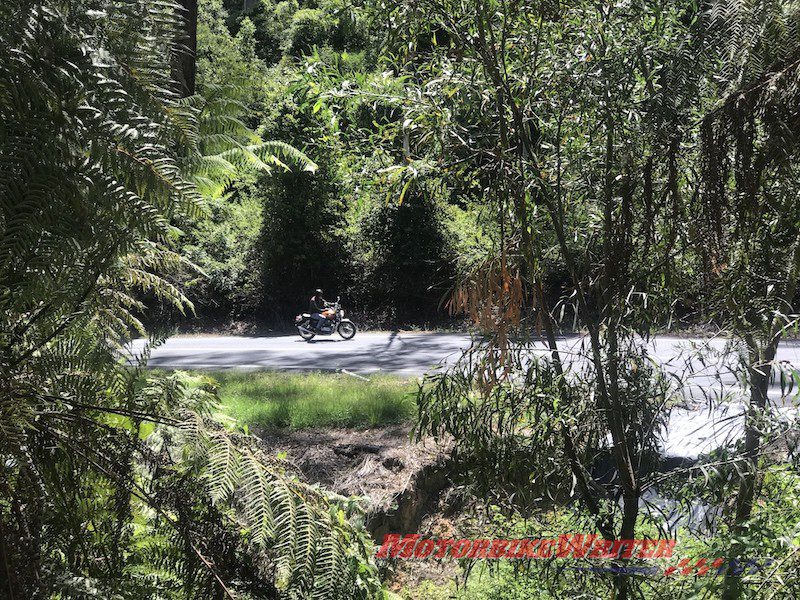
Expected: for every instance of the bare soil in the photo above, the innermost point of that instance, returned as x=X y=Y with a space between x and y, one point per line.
x=377 y=464
x=403 y=482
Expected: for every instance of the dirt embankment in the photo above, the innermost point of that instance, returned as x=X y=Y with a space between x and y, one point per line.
x=406 y=486
x=400 y=479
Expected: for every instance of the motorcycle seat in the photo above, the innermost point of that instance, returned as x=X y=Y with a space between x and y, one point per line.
x=306 y=315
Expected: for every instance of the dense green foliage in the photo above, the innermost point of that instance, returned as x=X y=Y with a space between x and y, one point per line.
x=115 y=483
x=366 y=225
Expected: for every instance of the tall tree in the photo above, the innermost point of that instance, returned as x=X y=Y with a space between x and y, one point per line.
x=574 y=131
x=186 y=70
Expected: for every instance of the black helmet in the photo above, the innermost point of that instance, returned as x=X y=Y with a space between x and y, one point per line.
x=318 y=292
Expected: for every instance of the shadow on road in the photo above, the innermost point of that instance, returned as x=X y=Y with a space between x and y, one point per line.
x=415 y=354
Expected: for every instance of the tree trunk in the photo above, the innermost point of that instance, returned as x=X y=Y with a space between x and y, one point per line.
x=185 y=71
x=760 y=370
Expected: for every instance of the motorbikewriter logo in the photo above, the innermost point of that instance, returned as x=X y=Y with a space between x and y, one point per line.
x=573 y=545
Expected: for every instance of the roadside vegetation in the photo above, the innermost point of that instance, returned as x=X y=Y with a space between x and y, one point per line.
x=306 y=400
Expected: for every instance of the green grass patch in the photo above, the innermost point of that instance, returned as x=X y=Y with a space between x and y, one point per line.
x=302 y=400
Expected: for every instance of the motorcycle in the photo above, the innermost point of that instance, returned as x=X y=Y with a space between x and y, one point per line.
x=334 y=322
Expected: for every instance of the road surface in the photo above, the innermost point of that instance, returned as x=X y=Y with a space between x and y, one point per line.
x=397 y=353
x=690 y=431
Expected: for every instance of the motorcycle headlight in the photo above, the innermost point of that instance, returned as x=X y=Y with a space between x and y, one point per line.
x=341 y=313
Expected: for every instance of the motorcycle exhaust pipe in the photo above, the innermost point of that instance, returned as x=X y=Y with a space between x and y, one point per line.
x=304 y=330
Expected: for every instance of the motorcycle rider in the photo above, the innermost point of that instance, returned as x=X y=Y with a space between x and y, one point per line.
x=324 y=318
x=315 y=306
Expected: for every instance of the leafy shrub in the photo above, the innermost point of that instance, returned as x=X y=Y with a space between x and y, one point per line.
x=310 y=27
x=403 y=255
x=225 y=246
x=301 y=247
x=349 y=31
x=272 y=22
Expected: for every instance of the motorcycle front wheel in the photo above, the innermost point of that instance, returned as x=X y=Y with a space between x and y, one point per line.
x=347 y=329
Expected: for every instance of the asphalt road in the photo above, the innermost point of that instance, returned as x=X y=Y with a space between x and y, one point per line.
x=405 y=353
x=398 y=353
x=703 y=424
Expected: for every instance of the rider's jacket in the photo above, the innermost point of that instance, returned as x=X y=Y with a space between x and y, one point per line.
x=316 y=305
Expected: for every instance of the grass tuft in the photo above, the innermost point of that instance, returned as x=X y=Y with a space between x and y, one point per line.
x=303 y=400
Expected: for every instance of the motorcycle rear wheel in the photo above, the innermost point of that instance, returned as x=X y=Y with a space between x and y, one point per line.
x=306 y=335
x=346 y=329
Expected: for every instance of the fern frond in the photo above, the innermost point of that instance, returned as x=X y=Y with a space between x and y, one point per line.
x=299 y=532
